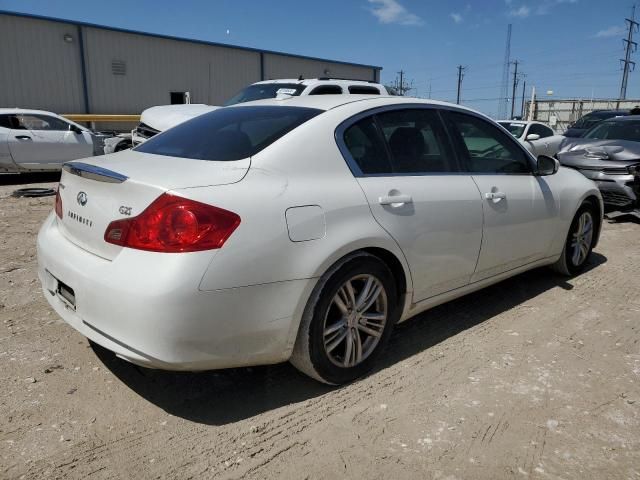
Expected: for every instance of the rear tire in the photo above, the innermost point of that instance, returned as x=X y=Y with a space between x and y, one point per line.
x=579 y=243
x=347 y=321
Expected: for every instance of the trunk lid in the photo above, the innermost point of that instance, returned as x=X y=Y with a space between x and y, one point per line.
x=97 y=191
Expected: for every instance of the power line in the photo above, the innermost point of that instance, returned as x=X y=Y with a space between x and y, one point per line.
x=630 y=48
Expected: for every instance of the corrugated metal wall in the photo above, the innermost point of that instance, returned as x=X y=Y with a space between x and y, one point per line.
x=42 y=70
x=157 y=66
x=38 y=68
x=283 y=66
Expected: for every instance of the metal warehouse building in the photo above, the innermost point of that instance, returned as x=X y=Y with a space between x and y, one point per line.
x=73 y=67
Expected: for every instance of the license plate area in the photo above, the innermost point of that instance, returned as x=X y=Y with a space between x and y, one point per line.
x=66 y=294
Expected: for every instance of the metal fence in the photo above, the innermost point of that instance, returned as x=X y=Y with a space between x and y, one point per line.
x=560 y=113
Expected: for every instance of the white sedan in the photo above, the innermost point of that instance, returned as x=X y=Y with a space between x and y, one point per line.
x=34 y=140
x=536 y=137
x=302 y=230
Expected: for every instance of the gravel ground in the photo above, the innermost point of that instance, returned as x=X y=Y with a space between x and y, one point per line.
x=536 y=377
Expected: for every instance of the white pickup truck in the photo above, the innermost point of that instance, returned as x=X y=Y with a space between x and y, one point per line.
x=160 y=118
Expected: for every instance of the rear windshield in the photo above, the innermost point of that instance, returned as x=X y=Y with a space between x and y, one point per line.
x=263 y=91
x=228 y=133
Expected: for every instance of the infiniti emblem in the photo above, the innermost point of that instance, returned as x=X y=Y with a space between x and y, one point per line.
x=82 y=198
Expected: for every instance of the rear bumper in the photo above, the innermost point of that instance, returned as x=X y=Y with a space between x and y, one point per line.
x=146 y=307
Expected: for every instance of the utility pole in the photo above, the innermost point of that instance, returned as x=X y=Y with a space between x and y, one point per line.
x=630 y=48
x=460 y=77
x=524 y=87
x=515 y=85
x=401 y=88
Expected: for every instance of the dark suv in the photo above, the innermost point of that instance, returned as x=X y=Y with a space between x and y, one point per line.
x=587 y=121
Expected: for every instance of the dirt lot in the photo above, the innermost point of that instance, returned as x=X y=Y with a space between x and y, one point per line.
x=536 y=377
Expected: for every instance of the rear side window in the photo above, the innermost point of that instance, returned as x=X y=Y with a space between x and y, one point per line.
x=228 y=133
x=363 y=90
x=5 y=121
x=417 y=141
x=327 y=90
x=367 y=148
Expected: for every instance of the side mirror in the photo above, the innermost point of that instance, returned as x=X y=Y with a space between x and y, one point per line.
x=75 y=129
x=532 y=136
x=547 y=166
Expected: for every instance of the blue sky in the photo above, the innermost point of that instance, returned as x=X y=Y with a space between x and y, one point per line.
x=572 y=47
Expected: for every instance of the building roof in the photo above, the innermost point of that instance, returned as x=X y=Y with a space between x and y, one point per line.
x=182 y=39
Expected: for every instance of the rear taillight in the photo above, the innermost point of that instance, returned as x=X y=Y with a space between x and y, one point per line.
x=58 y=204
x=174 y=224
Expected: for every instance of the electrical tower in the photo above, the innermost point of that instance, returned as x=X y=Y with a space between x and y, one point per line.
x=630 y=47
x=504 y=86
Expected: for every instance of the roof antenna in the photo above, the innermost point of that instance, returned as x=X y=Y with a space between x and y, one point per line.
x=300 y=78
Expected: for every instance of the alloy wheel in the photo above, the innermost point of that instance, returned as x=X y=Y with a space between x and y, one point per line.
x=581 y=239
x=355 y=320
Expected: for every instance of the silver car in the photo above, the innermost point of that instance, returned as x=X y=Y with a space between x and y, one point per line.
x=608 y=154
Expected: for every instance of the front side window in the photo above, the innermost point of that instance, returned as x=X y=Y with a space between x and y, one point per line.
x=228 y=133
x=262 y=91
x=41 y=122
x=515 y=129
x=485 y=148
x=541 y=130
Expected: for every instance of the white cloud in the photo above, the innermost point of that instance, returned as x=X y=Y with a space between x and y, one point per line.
x=390 y=11
x=457 y=18
x=522 y=12
x=614 y=31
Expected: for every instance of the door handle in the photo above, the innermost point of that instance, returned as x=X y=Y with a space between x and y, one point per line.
x=495 y=196
x=395 y=200
x=23 y=137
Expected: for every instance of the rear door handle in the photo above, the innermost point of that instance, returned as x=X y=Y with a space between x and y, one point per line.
x=23 y=137
x=495 y=196
x=395 y=200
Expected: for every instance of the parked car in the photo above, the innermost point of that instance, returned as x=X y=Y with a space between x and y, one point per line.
x=302 y=230
x=587 y=121
x=536 y=137
x=608 y=154
x=35 y=140
x=162 y=117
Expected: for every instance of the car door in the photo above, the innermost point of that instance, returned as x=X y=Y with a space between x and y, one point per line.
x=404 y=163
x=39 y=141
x=520 y=210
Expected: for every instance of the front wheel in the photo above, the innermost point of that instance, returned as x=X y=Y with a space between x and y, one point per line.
x=347 y=321
x=579 y=243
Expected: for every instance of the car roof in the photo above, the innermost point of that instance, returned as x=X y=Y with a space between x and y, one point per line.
x=314 y=81
x=328 y=102
x=623 y=118
x=25 y=110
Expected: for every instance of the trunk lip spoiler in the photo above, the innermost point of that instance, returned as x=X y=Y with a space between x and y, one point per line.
x=93 y=172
